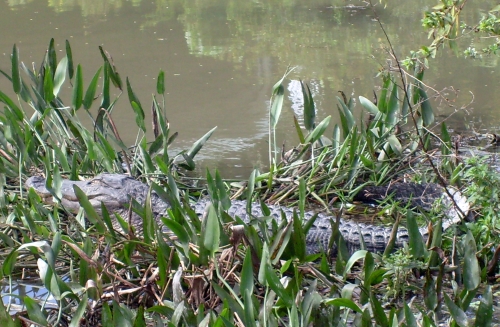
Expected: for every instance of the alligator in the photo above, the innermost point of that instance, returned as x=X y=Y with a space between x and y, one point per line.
x=115 y=192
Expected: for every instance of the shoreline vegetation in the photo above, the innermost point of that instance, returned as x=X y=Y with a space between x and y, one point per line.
x=201 y=277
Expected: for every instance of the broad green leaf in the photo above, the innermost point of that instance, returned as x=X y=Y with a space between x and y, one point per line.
x=177 y=229
x=9 y=262
x=369 y=106
x=133 y=98
x=247 y=280
x=249 y=317
x=52 y=57
x=140 y=321
x=484 y=313
x=276 y=103
x=139 y=115
x=225 y=296
x=80 y=311
x=382 y=100
x=472 y=271
x=160 y=84
x=275 y=284
x=347 y=303
x=34 y=312
x=298 y=130
x=458 y=315
x=430 y=294
x=113 y=74
x=212 y=232
x=250 y=188
x=264 y=262
x=6 y=320
x=196 y=147
x=360 y=254
x=378 y=311
x=60 y=75
x=316 y=134
x=16 y=76
x=395 y=144
x=90 y=94
x=69 y=54
x=48 y=85
x=105 y=94
x=91 y=214
x=368 y=270
x=427 y=112
x=350 y=122
x=298 y=238
x=393 y=106
x=309 y=107
x=410 y=317
x=416 y=243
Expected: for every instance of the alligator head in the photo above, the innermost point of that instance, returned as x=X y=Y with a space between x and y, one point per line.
x=112 y=190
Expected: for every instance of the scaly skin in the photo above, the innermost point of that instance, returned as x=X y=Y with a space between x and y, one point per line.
x=115 y=192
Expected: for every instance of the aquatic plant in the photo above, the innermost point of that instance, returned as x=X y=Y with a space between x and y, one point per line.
x=205 y=273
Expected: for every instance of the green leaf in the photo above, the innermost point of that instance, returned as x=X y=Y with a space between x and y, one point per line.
x=458 y=315
x=309 y=107
x=90 y=94
x=369 y=106
x=91 y=214
x=6 y=320
x=60 y=75
x=139 y=318
x=250 y=188
x=275 y=284
x=346 y=113
x=360 y=254
x=212 y=232
x=16 y=76
x=340 y=302
x=316 y=134
x=416 y=243
x=225 y=296
x=410 y=317
x=48 y=85
x=34 y=311
x=249 y=318
x=80 y=311
x=484 y=312
x=69 y=54
x=160 y=84
x=378 y=311
x=52 y=57
x=137 y=107
x=276 y=103
x=78 y=89
x=139 y=115
x=247 y=280
x=430 y=294
x=105 y=94
x=196 y=147
x=427 y=112
x=177 y=229
x=299 y=238
x=472 y=271
x=9 y=263
x=393 y=106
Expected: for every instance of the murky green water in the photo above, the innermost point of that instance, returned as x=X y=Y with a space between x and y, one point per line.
x=222 y=57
